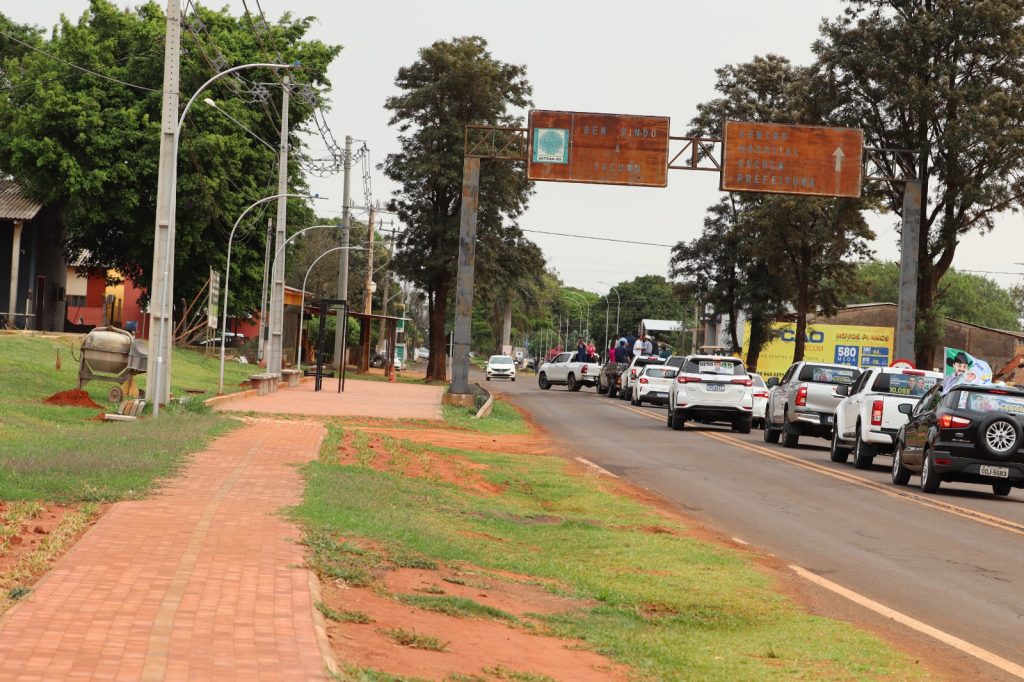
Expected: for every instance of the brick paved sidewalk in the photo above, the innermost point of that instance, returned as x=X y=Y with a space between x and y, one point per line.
x=204 y=581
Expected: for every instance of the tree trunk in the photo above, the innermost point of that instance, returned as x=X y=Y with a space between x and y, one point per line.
x=438 y=309
x=753 y=343
x=802 y=305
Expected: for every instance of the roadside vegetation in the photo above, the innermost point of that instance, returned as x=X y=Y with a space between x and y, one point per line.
x=652 y=597
x=61 y=453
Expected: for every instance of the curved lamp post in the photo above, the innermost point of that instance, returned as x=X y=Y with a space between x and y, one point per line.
x=227 y=275
x=168 y=263
x=302 y=304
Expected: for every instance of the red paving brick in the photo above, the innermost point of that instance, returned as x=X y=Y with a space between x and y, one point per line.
x=361 y=399
x=204 y=581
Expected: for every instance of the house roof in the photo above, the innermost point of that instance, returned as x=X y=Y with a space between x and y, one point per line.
x=662 y=325
x=14 y=205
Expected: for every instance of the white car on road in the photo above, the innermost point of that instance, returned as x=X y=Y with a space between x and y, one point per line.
x=760 y=399
x=869 y=417
x=712 y=388
x=500 y=367
x=653 y=384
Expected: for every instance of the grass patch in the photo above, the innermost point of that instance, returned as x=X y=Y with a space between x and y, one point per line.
x=503 y=673
x=400 y=378
x=460 y=607
x=344 y=561
x=342 y=616
x=414 y=640
x=504 y=419
x=352 y=673
x=668 y=606
x=58 y=454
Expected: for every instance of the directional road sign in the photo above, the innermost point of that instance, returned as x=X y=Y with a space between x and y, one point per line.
x=611 y=149
x=789 y=159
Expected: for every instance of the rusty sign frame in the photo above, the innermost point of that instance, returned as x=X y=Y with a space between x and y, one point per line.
x=701 y=150
x=497 y=142
x=881 y=164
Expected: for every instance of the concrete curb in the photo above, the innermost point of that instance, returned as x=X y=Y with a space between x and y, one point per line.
x=485 y=409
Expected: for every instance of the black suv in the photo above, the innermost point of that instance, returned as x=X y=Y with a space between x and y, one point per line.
x=972 y=434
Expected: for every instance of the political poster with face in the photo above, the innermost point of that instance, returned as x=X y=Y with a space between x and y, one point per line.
x=963 y=368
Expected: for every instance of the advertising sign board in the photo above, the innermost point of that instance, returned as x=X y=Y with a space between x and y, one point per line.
x=612 y=149
x=213 y=302
x=832 y=343
x=788 y=159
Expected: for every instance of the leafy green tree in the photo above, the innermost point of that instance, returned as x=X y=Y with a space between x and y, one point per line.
x=646 y=297
x=944 y=78
x=961 y=295
x=453 y=83
x=90 y=145
x=508 y=273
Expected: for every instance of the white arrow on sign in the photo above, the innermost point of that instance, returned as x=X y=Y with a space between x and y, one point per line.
x=840 y=155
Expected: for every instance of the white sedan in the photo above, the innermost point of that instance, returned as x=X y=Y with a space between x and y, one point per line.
x=760 y=399
x=653 y=384
x=500 y=367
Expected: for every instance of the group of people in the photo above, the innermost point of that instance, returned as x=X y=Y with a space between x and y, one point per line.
x=625 y=348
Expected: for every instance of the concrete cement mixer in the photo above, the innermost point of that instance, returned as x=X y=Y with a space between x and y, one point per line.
x=114 y=355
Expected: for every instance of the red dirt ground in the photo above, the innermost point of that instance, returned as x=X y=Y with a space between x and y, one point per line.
x=72 y=398
x=28 y=535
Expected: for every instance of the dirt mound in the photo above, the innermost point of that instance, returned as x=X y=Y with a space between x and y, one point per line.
x=73 y=398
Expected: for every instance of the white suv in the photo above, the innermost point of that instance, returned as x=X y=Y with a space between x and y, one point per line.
x=712 y=388
x=652 y=385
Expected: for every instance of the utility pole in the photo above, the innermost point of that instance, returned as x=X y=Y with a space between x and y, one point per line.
x=263 y=295
x=277 y=293
x=346 y=218
x=464 y=280
x=906 y=315
x=367 y=293
x=158 y=365
x=386 y=296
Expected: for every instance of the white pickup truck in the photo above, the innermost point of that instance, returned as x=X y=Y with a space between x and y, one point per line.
x=803 y=403
x=868 y=417
x=564 y=370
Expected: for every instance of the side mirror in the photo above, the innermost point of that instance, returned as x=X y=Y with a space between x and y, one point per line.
x=772 y=382
x=841 y=390
x=906 y=408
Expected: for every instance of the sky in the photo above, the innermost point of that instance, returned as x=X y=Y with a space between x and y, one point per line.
x=656 y=58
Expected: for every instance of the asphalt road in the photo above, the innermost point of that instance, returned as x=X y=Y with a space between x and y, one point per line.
x=952 y=560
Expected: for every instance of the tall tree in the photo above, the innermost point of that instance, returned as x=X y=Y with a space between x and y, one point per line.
x=89 y=145
x=944 y=78
x=453 y=84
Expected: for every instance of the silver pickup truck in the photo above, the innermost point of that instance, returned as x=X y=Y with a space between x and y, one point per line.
x=804 y=402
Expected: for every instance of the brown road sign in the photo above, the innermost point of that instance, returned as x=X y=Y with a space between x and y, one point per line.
x=788 y=159
x=611 y=149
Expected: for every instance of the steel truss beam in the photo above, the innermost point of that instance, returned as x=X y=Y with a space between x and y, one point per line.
x=493 y=142
x=697 y=153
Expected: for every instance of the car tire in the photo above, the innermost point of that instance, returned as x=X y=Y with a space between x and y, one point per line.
x=513 y=378
x=863 y=453
x=930 y=479
x=487 y=378
x=770 y=435
x=1002 y=488
x=838 y=454
x=542 y=381
x=900 y=473
x=668 y=421
x=999 y=435
x=601 y=390
x=790 y=434
x=746 y=425
x=571 y=384
x=678 y=422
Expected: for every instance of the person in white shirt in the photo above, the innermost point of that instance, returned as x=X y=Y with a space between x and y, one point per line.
x=648 y=346
x=638 y=347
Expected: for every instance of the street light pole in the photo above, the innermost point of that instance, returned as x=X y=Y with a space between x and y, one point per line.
x=302 y=304
x=158 y=366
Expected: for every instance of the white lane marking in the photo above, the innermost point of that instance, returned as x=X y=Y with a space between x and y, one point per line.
x=912 y=623
x=599 y=470
x=740 y=542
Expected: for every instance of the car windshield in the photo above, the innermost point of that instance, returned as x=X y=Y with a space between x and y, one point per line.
x=979 y=401
x=758 y=381
x=903 y=384
x=659 y=372
x=724 y=366
x=829 y=375
x=501 y=360
x=643 y=361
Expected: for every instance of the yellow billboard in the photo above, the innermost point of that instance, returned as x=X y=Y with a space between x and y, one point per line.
x=833 y=343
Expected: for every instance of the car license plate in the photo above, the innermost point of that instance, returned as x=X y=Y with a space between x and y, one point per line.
x=997 y=472
x=657 y=394
x=716 y=387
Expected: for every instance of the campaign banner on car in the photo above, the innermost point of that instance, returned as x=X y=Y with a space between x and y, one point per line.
x=963 y=368
x=842 y=344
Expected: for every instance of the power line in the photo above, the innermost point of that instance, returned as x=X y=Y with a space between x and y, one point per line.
x=600 y=239
x=76 y=66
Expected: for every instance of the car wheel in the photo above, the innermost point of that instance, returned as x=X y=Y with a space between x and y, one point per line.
x=668 y=421
x=571 y=384
x=542 y=381
x=678 y=422
x=770 y=435
x=487 y=378
x=1002 y=488
x=735 y=425
x=863 y=453
x=790 y=434
x=930 y=480
x=839 y=453
x=745 y=425
x=900 y=473
x=999 y=435
x=513 y=378
x=601 y=389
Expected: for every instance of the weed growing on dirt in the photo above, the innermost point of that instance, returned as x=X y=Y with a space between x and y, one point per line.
x=351 y=673
x=432 y=589
x=503 y=673
x=342 y=560
x=332 y=441
x=504 y=419
x=342 y=616
x=408 y=560
x=460 y=607
x=414 y=640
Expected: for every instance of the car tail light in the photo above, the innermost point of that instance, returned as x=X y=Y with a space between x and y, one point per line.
x=876 y=412
x=761 y=394
x=743 y=382
x=688 y=380
x=801 y=396
x=949 y=421
x=643 y=380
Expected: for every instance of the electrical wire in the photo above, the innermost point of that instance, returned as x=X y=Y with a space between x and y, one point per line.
x=599 y=239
